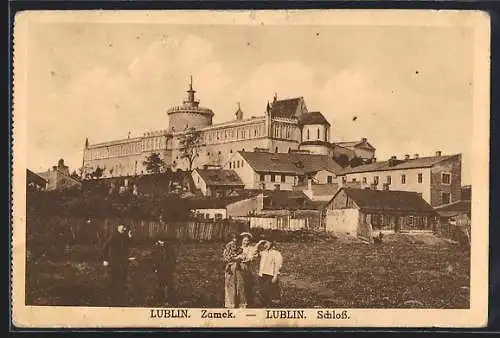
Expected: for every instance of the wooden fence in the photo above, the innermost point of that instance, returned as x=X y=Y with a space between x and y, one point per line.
x=284 y=223
x=81 y=231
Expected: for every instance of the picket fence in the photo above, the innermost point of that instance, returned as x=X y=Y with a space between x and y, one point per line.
x=78 y=230
x=277 y=223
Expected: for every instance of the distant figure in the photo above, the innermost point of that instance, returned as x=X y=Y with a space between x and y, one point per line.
x=135 y=190
x=164 y=262
x=378 y=239
x=116 y=255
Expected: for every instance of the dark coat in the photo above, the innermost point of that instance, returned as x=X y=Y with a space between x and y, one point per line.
x=164 y=259
x=117 y=247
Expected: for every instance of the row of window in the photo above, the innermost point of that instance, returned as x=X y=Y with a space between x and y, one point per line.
x=236 y=164
x=283 y=131
x=445 y=179
x=233 y=134
x=391 y=222
x=273 y=178
x=318 y=134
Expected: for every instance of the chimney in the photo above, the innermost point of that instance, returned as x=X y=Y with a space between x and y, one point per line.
x=438 y=153
x=415 y=156
x=393 y=157
x=407 y=157
x=363 y=139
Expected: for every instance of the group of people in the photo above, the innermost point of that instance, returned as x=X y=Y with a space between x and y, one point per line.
x=116 y=255
x=248 y=268
x=249 y=265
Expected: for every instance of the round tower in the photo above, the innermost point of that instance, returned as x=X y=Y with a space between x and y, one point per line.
x=189 y=114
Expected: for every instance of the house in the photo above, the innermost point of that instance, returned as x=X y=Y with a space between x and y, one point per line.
x=239 y=204
x=324 y=192
x=437 y=178
x=359 y=212
x=288 y=206
x=282 y=171
x=59 y=178
x=35 y=182
x=456 y=213
x=216 y=182
x=362 y=149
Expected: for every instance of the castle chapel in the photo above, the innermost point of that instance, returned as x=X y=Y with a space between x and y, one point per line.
x=286 y=126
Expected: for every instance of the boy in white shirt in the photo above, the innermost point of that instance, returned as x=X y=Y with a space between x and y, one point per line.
x=269 y=269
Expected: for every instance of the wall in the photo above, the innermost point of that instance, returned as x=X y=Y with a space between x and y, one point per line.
x=199 y=183
x=342 y=221
x=245 y=172
x=316 y=149
x=180 y=120
x=211 y=213
x=341 y=201
x=277 y=223
x=313 y=132
x=410 y=185
x=288 y=184
x=454 y=167
x=321 y=177
x=244 y=207
x=364 y=153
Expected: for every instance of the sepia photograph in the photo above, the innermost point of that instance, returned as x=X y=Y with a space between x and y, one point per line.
x=260 y=168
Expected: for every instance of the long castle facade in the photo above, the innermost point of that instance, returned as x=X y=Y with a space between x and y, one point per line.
x=286 y=126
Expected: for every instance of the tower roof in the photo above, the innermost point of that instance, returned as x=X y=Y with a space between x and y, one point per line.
x=190 y=105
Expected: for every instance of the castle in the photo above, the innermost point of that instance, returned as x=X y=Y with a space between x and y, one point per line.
x=286 y=126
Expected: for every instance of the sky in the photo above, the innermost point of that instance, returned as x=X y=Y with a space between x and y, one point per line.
x=409 y=87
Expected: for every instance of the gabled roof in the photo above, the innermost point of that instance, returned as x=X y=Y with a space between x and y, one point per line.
x=288 y=200
x=363 y=143
x=286 y=108
x=313 y=118
x=36 y=178
x=216 y=202
x=220 y=177
x=369 y=200
x=290 y=163
x=421 y=162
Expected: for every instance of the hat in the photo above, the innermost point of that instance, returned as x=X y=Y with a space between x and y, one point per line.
x=246 y=234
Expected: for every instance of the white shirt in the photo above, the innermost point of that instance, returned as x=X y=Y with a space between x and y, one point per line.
x=270 y=262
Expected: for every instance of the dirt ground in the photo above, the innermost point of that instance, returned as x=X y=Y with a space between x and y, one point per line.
x=404 y=272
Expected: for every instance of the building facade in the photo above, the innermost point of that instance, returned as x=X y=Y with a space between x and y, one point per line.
x=284 y=126
x=59 y=178
x=437 y=178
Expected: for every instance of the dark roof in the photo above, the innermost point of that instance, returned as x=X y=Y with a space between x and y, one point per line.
x=388 y=200
x=216 y=202
x=35 y=178
x=285 y=108
x=422 y=162
x=313 y=118
x=455 y=208
x=220 y=177
x=285 y=199
x=290 y=163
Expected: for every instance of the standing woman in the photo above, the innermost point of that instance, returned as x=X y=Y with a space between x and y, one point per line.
x=245 y=272
x=231 y=257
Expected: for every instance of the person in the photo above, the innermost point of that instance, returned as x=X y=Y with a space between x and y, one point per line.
x=244 y=273
x=116 y=254
x=269 y=269
x=231 y=257
x=164 y=262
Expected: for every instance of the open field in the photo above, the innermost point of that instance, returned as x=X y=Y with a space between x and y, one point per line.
x=405 y=271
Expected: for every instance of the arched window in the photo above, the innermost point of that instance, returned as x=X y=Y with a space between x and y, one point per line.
x=229 y=165
x=276 y=150
x=318 y=134
x=308 y=133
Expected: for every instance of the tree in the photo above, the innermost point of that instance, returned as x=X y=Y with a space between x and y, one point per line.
x=154 y=163
x=342 y=160
x=356 y=161
x=189 y=145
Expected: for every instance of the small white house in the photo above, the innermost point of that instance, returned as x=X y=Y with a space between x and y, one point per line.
x=216 y=182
